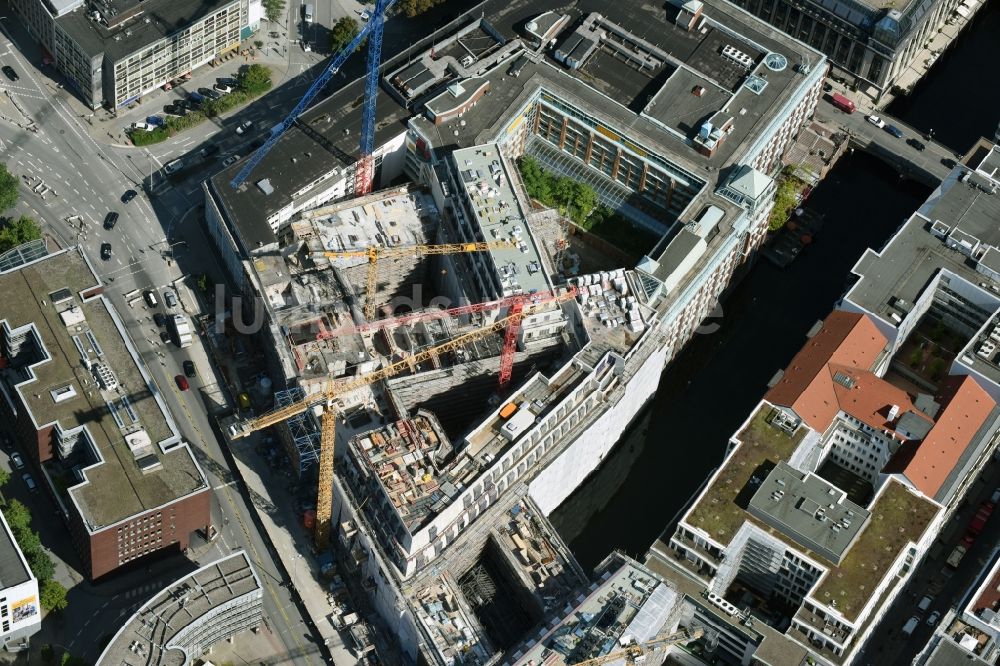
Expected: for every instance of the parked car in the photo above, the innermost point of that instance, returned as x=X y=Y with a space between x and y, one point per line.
x=876 y=121
x=189 y=369
x=10 y=73
x=933 y=618
x=895 y=131
x=150 y=297
x=160 y=319
x=129 y=195
x=232 y=159
x=7 y=441
x=244 y=127
x=110 y=220
x=224 y=87
x=196 y=98
x=209 y=150
x=916 y=143
x=948 y=162
x=16 y=460
x=105 y=251
x=164 y=337
x=173 y=167
x=209 y=93
x=174 y=110
x=145 y=127
x=30 y=482
x=170 y=298
x=182 y=382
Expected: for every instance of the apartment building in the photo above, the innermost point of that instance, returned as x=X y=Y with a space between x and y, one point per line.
x=20 y=606
x=90 y=418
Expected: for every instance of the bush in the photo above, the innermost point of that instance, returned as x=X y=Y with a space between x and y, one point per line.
x=14 y=232
x=216 y=107
x=8 y=189
x=177 y=124
x=146 y=138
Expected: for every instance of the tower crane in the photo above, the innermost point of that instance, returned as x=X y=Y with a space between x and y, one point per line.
x=372 y=30
x=327 y=396
x=374 y=253
x=637 y=652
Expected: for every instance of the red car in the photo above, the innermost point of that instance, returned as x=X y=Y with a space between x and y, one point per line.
x=182 y=382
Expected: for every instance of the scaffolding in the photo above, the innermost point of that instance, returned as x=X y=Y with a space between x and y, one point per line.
x=301 y=427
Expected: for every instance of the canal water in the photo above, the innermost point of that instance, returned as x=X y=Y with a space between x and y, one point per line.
x=960 y=97
x=709 y=390
x=711 y=387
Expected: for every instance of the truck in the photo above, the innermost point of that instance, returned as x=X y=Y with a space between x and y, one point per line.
x=181 y=329
x=910 y=625
x=979 y=521
x=960 y=550
x=843 y=103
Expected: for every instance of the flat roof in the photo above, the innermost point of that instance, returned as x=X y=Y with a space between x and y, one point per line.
x=118 y=487
x=329 y=131
x=497 y=209
x=128 y=26
x=13 y=570
x=810 y=510
x=157 y=632
x=893 y=278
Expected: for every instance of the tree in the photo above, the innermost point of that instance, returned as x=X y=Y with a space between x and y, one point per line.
x=48 y=654
x=4 y=477
x=8 y=189
x=52 y=596
x=39 y=561
x=414 y=7
x=255 y=79
x=15 y=232
x=17 y=515
x=584 y=200
x=342 y=32
x=273 y=10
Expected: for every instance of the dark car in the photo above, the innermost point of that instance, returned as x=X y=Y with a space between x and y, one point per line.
x=895 y=131
x=185 y=104
x=8 y=442
x=916 y=143
x=164 y=337
x=10 y=73
x=129 y=195
x=948 y=162
x=189 y=369
x=105 y=251
x=159 y=319
x=110 y=220
x=209 y=150
x=209 y=93
x=174 y=110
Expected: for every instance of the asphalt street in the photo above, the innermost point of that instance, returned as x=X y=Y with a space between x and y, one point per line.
x=70 y=182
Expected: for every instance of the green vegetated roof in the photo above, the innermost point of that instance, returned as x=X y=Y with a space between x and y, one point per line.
x=717 y=513
x=899 y=517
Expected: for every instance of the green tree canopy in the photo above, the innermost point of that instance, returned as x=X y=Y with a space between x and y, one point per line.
x=14 y=232
x=255 y=79
x=342 y=32
x=4 y=477
x=52 y=596
x=414 y=7
x=8 y=189
x=17 y=515
x=273 y=10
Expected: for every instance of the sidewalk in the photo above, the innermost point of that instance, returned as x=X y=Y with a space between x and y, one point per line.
x=289 y=539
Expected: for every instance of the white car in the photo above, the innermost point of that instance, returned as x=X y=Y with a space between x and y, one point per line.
x=365 y=15
x=876 y=121
x=244 y=127
x=232 y=159
x=17 y=461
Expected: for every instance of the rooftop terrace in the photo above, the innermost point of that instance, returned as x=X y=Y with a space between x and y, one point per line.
x=898 y=517
x=144 y=463
x=717 y=511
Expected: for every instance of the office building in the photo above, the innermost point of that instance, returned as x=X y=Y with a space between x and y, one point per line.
x=20 y=606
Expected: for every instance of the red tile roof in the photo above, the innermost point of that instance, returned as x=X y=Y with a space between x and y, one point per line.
x=846 y=340
x=870 y=398
x=965 y=407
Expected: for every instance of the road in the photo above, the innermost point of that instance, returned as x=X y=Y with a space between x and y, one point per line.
x=887 y=646
x=86 y=179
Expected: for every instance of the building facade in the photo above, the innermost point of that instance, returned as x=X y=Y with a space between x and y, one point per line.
x=20 y=606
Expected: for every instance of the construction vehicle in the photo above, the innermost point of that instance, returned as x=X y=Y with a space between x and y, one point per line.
x=637 y=652
x=374 y=253
x=327 y=397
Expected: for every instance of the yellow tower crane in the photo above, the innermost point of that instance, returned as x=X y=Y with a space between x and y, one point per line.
x=637 y=652
x=375 y=253
x=326 y=397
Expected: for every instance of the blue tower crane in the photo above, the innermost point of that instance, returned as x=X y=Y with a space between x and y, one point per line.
x=366 y=167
